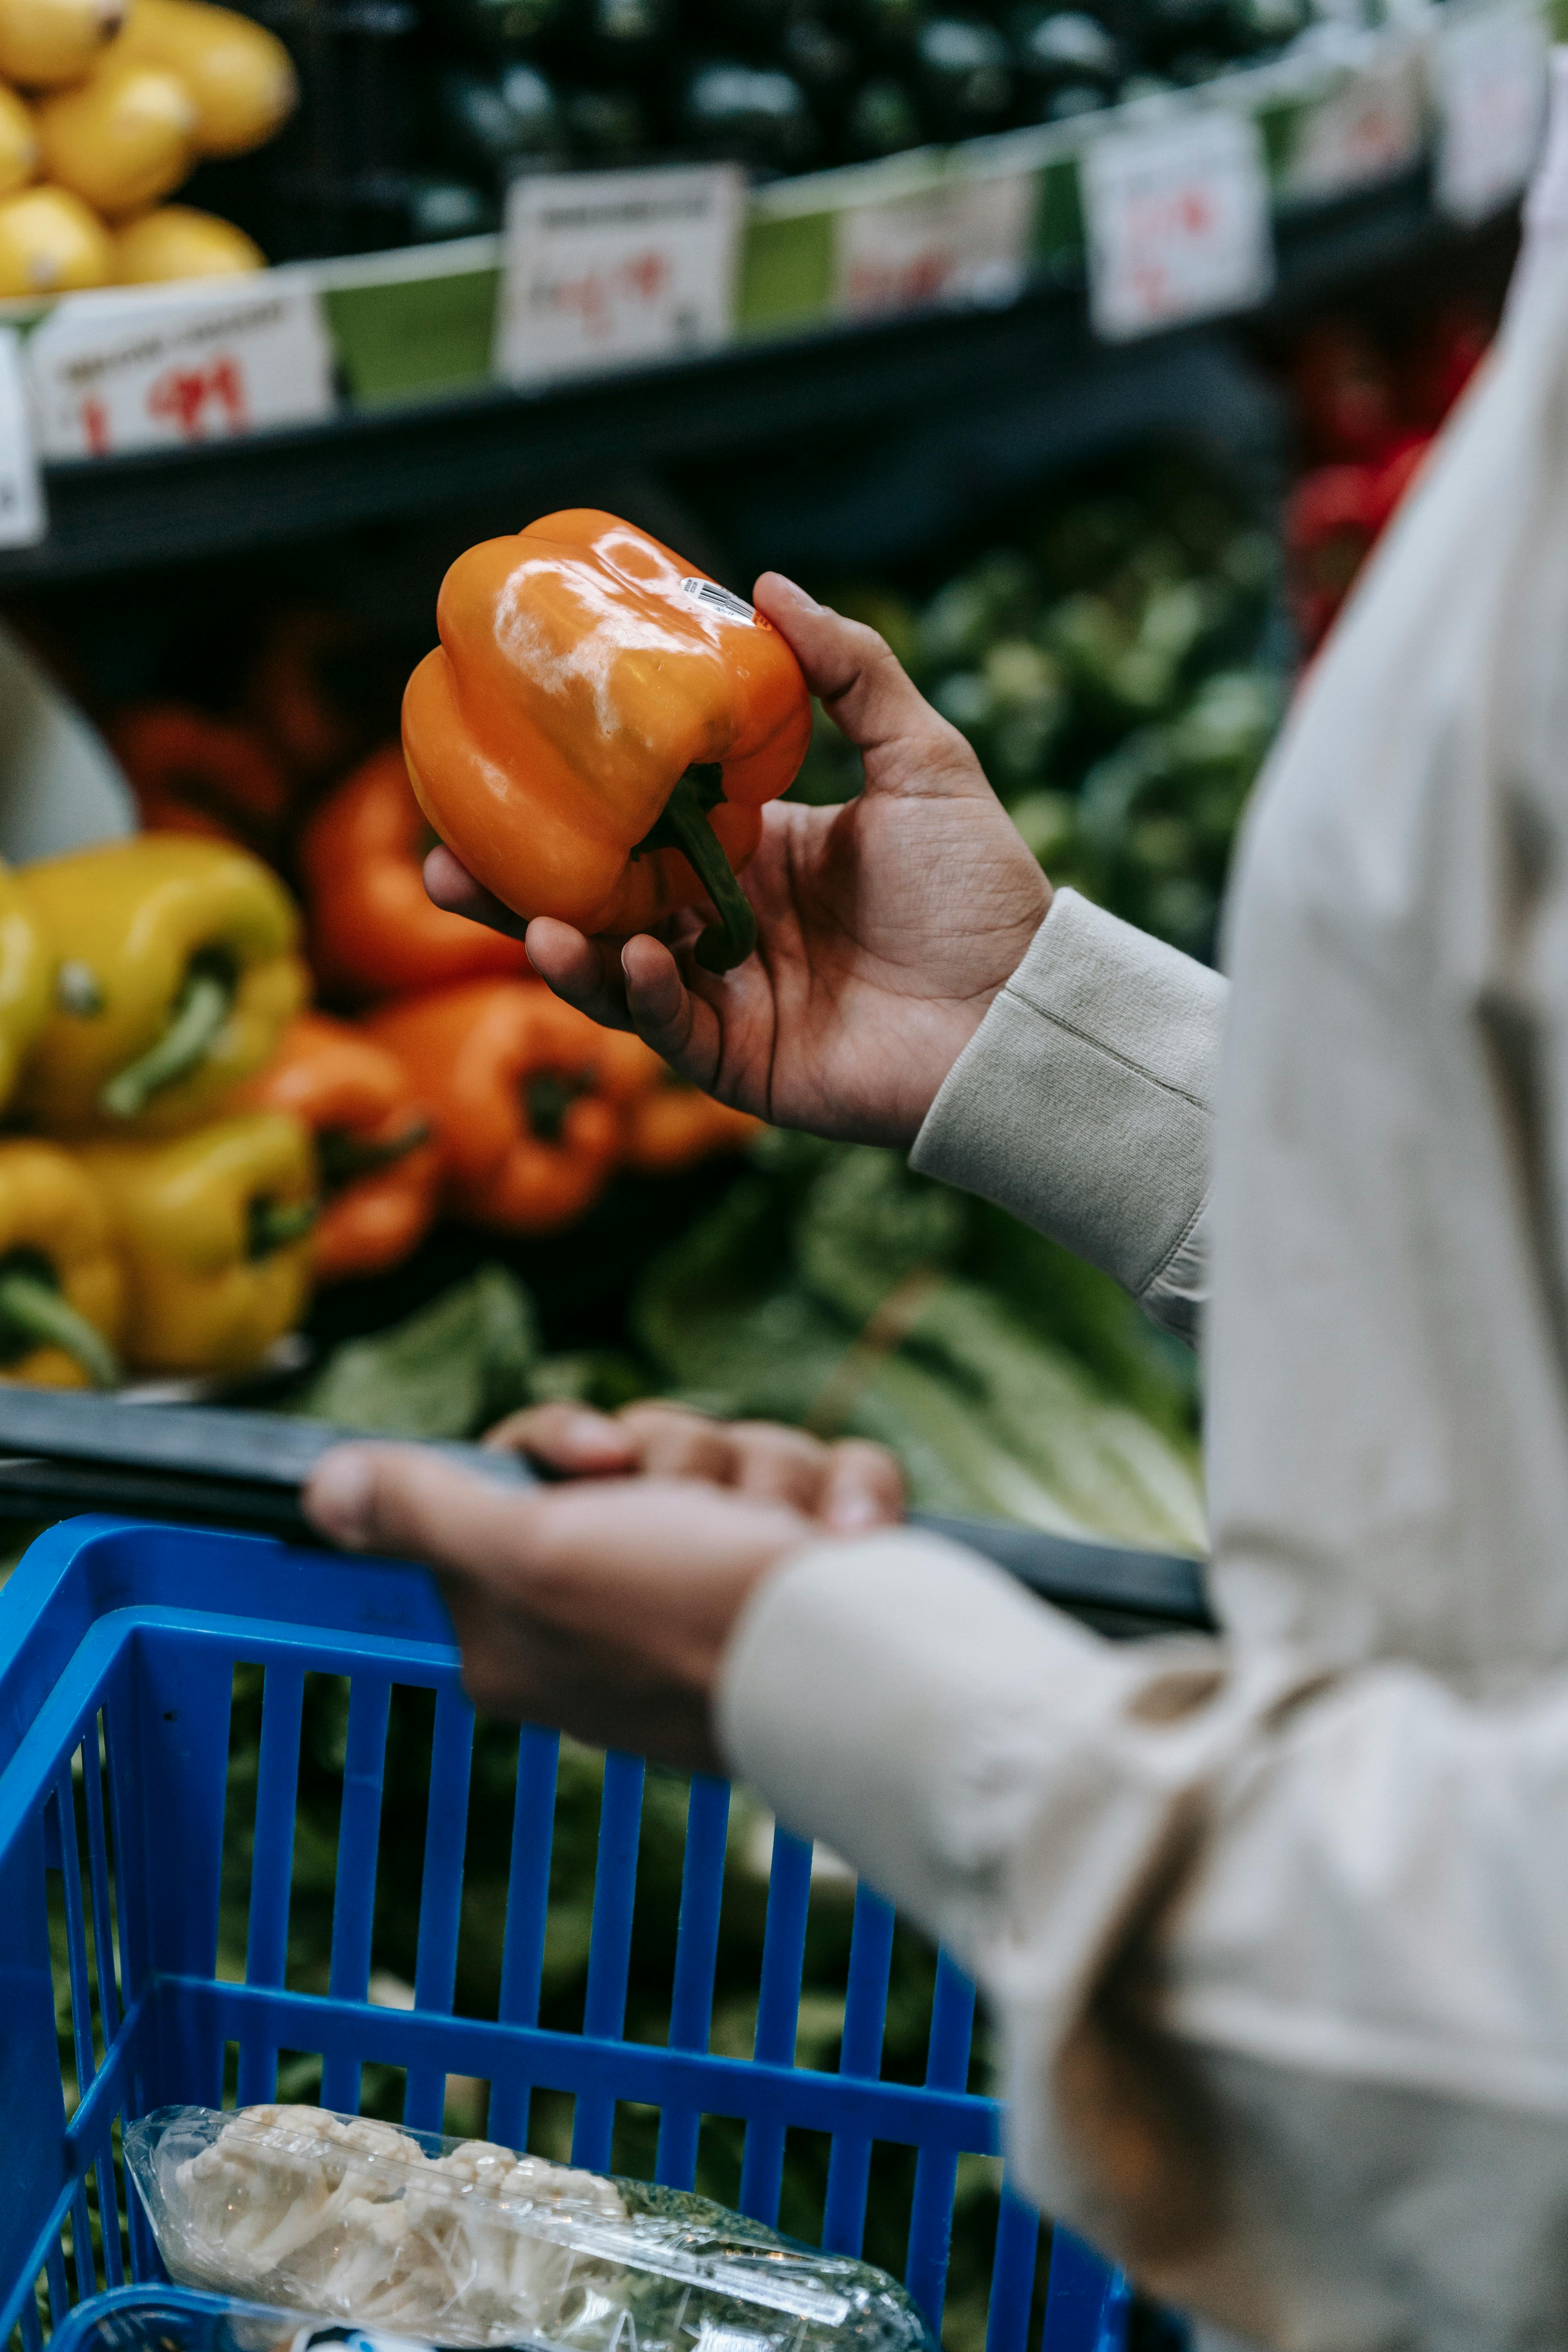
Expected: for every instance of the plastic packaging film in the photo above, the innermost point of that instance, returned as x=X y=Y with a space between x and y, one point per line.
x=469 y=2245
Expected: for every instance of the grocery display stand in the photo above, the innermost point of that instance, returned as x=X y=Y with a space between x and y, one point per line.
x=424 y=424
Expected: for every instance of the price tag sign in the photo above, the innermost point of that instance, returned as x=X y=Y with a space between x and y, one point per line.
x=24 y=518
x=1489 y=70
x=111 y=373
x=1176 y=218
x=964 y=241
x=603 y=268
x=1368 y=130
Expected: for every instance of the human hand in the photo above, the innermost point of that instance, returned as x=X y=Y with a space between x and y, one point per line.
x=847 y=1487
x=886 y=927
x=602 y=1607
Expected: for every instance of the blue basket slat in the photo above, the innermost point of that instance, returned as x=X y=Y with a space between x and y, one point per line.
x=861 y=2053
x=142 y=1628
x=527 y=1918
x=55 y=2273
x=609 y=1947
x=106 y=1964
x=81 y=2246
x=61 y=1811
x=353 y=1890
x=778 y=2015
x=1086 y=2302
x=441 y=1892
x=272 y=1859
x=1012 y=2274
x=168 y=1721
x=936 y=2170
x=695 y=1963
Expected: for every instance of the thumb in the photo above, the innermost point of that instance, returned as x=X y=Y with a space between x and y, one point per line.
x=404 y=1501
x=870 y=695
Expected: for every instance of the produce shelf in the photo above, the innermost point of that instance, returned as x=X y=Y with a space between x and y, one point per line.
x=502 y=448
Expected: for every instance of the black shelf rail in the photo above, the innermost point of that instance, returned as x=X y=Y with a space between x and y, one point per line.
x=500 y=447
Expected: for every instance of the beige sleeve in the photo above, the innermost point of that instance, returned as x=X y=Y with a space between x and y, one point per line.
x=1084 y=1104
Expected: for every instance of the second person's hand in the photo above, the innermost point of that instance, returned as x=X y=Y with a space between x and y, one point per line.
x=886 y=927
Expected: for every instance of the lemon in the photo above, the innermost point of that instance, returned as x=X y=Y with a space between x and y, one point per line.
x=52 y=244
x=241 y=75
x=45 y=42
x=177 y=241
x=123 y=138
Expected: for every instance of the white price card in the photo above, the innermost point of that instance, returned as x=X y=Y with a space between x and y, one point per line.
x=1176 y=220
x=1489 y=72
x=1369 y=130
x=603 y=268
x=24 y=518
x=110 y=372
x=964 y=240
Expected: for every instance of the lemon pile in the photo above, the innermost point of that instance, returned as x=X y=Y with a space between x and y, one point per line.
x=105 y=107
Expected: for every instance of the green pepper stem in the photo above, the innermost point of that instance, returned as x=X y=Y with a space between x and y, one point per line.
x=273 y=1224
x=200 y=1011
x=32 y=1308
x=345 y=1158
x=731 y=940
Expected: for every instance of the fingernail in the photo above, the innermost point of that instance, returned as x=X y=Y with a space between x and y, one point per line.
x=853 y=1512
x=594 y=1433
x=338 y=1495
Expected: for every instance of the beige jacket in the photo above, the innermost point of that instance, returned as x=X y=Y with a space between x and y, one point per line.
x=1275 y=1925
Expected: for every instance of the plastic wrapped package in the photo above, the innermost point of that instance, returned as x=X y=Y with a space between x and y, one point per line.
x=469 y=2244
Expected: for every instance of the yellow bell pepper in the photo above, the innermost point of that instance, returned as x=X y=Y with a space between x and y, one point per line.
x=26 y=973
x=175 y=976
x=214 y=1232
x=62 y=1295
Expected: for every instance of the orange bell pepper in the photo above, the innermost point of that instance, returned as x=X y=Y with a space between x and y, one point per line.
x=529 y=1095
x=673 y=1125
x=380 y=1166
x=193 y=774
x=599 y=727
x=372 y=930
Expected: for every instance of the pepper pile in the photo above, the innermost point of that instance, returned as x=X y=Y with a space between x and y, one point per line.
x=142 y=1220
x=105 y=109
x=1367 y=415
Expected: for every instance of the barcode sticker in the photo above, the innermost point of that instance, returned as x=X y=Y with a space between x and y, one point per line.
x=1177 y=220
x=1489 y=70
x=723 y=600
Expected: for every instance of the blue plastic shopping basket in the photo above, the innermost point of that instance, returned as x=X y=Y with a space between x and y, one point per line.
x=118 y=1648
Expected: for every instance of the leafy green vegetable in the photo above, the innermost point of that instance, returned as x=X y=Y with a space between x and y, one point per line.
x=448 y=1371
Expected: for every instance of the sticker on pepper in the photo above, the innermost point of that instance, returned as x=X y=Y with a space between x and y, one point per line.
x=596 y=742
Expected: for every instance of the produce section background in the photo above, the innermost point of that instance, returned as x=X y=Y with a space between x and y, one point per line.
x=1117 y=621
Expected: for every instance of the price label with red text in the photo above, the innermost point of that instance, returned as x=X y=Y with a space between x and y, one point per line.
x=24 y=518
x=1176 y=220
x=1369 y=130
x=961 y=241
x=604 y=269
x=1489 y=70
x=114 y=372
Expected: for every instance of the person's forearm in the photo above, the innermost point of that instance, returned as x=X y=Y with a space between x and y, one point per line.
x=1274 y=1954
x=1084 y=1104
